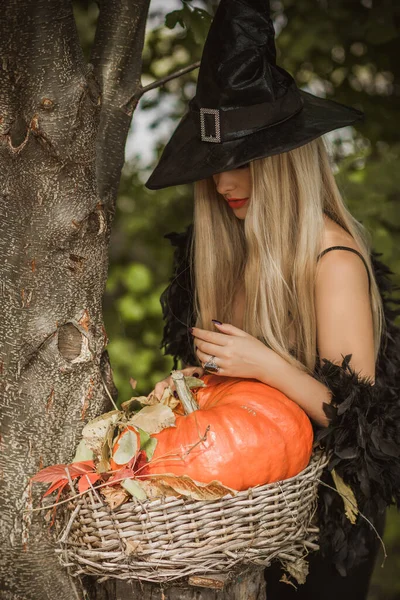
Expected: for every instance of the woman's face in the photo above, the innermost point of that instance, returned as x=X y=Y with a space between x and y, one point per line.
x=235 y=187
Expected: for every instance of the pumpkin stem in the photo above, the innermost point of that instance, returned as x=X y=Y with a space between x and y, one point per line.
x=185 y=395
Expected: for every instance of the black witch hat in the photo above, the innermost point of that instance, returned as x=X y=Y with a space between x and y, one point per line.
x=246 y=106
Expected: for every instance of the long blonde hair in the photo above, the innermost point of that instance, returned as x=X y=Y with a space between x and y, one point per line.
x=273 y=251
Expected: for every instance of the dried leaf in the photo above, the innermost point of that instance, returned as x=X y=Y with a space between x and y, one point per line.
x=186 y=486
x=114 y=496
x=128 y=445
x=95 y=431
x=153 y=419
x=348 y=497
x=85 y=481
x=134 y=488
x=194 y=382
x=134 y=404
x=104 y=463
x=82 y=452
x=154 y=489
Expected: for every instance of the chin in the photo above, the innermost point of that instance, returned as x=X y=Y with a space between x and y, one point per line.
x=240 y=213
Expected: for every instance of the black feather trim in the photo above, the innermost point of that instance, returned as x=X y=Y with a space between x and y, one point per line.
x=177 y=302
x=364 y=431
x=364 y=440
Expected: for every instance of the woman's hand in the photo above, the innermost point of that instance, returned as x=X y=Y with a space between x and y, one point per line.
x=168 y=381
x=236 y=353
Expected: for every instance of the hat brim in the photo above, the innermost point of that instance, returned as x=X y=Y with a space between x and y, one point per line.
x=186 y=158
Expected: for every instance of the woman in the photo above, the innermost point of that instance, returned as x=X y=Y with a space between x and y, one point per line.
x=276 y=281
x=262 y=226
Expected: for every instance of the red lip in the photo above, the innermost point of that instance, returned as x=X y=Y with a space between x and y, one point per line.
x=237 y=202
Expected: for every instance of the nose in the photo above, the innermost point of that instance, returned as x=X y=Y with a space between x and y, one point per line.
x=224 y=182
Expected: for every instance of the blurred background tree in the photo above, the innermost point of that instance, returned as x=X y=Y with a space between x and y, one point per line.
x=347 y=50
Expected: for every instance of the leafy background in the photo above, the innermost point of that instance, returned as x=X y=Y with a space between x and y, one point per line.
x=344 y=49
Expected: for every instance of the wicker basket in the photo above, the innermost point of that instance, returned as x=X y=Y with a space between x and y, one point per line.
x=175 y=538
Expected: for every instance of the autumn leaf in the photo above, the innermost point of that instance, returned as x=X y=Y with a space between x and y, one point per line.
x=59 y=483
x=127 y=447
x=134 y=404
x=51 y=474
x=123 y=473
x=82 y=452
x=168 y=399
x=153 y=419
x=114 y=496
x=142 y=461
x=171 y=485
x=96 y=430
x=85 y=481
x=348 y=497
x=57 y=472
x=134 y=489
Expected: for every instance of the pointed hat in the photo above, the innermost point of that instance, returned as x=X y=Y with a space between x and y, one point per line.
x=245 y=107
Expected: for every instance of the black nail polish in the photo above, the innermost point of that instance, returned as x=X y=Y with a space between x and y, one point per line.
x=176 y=394
x=217 y=322
x=190 y=329
x=196 y=375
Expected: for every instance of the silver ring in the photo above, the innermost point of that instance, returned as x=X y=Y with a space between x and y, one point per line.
x=211 y=365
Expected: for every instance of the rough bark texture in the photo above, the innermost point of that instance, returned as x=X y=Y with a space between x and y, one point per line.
x=63 y=126
x=248 y=586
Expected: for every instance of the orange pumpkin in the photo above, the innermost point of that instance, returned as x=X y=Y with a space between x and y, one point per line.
x=257 y=435
x=134 y=446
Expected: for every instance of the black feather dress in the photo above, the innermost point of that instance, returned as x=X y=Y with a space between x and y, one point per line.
x=364 y=431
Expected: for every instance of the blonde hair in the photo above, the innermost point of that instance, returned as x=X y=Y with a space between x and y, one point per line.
x=273 y=251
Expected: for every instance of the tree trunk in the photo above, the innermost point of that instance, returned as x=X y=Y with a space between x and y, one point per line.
x=63 y=127
x=249 y=585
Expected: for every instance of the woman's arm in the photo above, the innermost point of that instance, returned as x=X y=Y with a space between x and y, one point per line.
x=344 y=326
x=309 y=393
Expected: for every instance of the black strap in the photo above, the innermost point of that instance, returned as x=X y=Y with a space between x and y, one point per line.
x=351 y=250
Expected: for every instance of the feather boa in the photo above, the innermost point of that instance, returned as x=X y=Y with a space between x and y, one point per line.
x=363 y=436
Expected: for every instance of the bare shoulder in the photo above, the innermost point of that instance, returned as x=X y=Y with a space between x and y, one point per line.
x=342 y=301
x=339 y=266
x=335 y=235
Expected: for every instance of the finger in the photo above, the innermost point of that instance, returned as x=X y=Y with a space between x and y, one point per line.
x=204 y=357
x=193 y=371
x=210 y=349
x=209 y=336
x=229 y=329
x=159 y=389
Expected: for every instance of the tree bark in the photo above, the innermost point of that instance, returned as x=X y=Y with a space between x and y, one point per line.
x=63 y=129
x=249 y=585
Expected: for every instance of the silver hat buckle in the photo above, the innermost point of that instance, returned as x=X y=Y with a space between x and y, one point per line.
x=216 y=138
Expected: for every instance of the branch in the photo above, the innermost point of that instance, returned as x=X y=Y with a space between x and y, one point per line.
x=117 y=49
x=165 y=79
x=117 y=60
